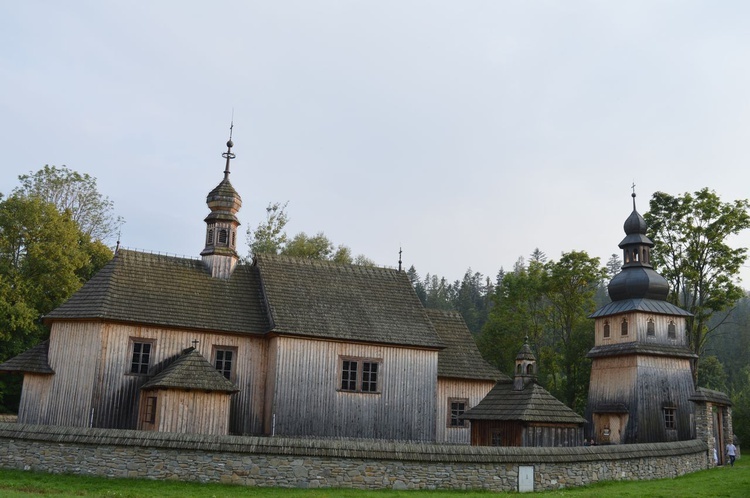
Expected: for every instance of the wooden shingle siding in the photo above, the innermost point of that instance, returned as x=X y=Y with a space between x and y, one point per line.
x=308 y=400
x=447 y=388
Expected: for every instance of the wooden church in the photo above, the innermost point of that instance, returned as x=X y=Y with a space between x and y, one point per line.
x=641 y=381
x=278 y=346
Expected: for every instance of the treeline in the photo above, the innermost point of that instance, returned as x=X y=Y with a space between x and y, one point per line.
x=543 y=301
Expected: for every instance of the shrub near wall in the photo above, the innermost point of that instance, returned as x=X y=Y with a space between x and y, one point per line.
x=294 y=462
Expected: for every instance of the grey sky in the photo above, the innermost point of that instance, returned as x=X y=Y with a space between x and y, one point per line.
x=467 y=132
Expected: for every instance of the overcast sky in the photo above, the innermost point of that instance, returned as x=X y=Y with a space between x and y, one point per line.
x=467 y=132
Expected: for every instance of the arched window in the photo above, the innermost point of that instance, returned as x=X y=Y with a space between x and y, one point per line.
x=606 y=329
x=672 y=330
x=223 y=236
x=624 y=327
x=650 y=328
x=210 y=236
x=519 y=369
x=530 y=369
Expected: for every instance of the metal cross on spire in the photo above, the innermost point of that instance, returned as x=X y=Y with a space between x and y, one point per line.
x=633 y=195
x=229 y=155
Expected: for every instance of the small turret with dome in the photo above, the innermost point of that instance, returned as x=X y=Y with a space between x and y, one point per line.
x=525 y=367
x=637 y=280
x=220 y=252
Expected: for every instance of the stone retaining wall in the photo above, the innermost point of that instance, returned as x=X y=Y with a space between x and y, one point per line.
x=288 y=462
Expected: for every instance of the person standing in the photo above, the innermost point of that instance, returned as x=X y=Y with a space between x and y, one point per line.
x=731 y=452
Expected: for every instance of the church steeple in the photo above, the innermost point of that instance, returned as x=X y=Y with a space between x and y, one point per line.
x=220 y=253
x=637 y=280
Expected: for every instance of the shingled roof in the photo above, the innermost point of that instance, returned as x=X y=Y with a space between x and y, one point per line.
x=532 y=404
x=343 y=302
x=33 y=360
x=461 y=358
x=646 y=305
x=191 y=371
x=169 y=291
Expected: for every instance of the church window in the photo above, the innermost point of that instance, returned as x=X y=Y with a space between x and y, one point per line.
x=530 y=369
x=360 y=375
x=224 y=359
x=234 y=238
x=670 y=421
x=141 y=356
x=606 y=330
x=210 y=236
x=223 y=236
x=650 y=327
x=624 y=327
x=149 y=415
x=519 y=369
x=456 y=408
x=672 y=330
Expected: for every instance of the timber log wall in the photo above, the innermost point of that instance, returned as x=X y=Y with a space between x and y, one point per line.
x=362 y=464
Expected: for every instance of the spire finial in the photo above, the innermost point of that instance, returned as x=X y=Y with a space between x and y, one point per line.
x=399 y=258
x=117 y=246
x=229 y=155
x=633 y=195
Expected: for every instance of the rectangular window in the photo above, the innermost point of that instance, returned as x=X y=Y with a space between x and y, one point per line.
x=360 y=375
x=456 y=408
x=650 y=328
x=150 y=413
x=669 y=418
x=224 y=359
x=141 y=357
x=497 y=438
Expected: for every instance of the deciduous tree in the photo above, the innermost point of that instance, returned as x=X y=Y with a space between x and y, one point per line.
x=691 y=234
x=76 y=193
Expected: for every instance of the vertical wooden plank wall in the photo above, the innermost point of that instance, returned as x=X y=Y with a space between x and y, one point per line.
x=473 y=390
x=66 y=397
x=308 y=400
x=92 y=384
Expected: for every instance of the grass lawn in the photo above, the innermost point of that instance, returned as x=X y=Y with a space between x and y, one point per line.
x=723 y=481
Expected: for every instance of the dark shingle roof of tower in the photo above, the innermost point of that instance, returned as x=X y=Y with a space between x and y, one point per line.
x=343 y=302
x=647 y=305
x=461 y=357
x=532 y=404
x=169 y=291
x=191 y=371
x=33 y=360
x=652 y=349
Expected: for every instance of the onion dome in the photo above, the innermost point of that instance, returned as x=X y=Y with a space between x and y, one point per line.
x=637 y=280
